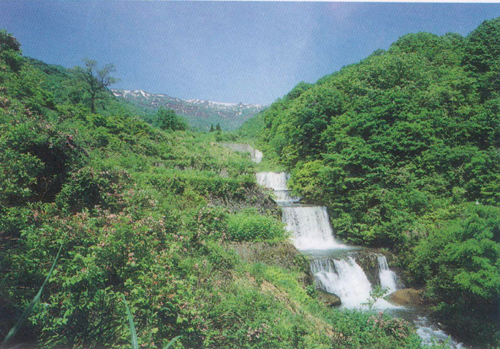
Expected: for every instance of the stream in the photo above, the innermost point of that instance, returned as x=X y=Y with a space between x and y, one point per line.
x=349 y=272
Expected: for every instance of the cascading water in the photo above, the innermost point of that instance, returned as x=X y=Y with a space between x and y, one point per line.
x=310 y=228
x=283 y=197
x=309 y=225
x=387 y=276
x=277 y=182
x=257 y=156
x=343 y=277
x=347 y=280
x=430 y=334
x=273 y=180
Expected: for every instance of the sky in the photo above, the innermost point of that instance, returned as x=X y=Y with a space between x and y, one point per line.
x=249 y=52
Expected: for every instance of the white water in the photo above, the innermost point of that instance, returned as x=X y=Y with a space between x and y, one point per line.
x=309 y=225
x=273 y=180
x=257 y=156
x=387 y=276
x=310 y=228
x=430 y=334
x=277 y=182
x=346 y=279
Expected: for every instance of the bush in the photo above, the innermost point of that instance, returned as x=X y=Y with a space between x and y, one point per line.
x=250 y=226
x=88 y=187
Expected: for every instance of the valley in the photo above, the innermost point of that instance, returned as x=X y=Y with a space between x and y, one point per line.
x=359 y=211
x=200 y=114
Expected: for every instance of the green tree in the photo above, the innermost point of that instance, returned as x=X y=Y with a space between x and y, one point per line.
x=459 y=261
x=217 y=127
x=10 y=50
x=167 y=119
x=212 y=128
x=8 y=42
x=95 y=81
x=483 y=47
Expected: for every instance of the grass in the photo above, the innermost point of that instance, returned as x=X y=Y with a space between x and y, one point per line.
x=133 y=334
x=27 y=312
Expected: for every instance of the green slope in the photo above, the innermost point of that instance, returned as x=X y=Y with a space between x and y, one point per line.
x=152 y=216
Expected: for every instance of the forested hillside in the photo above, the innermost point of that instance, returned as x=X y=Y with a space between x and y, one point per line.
x=200 y=114
x=128 y=213
x=404 y=150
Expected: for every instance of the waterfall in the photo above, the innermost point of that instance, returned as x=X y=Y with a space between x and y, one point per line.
x=257 y=156
x=273 y=180
x=277 y=182
x=387 y=276
x=310 y=228
x=309 y=225
x=345 y=278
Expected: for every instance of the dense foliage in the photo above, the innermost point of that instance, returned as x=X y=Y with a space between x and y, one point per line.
x=166 y=119
x=398 y=146
x=460 y=263
x=147 y=216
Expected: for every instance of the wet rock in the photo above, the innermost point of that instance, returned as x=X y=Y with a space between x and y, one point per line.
x=407 y=297
x=328 y=298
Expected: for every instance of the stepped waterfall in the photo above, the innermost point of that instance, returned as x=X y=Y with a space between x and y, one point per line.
x=311 y=231
x=334 y=265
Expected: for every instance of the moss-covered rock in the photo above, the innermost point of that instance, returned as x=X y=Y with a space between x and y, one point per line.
x=329 y=299
x=407 y=297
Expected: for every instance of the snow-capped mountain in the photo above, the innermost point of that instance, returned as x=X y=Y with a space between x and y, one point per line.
x=199 y=113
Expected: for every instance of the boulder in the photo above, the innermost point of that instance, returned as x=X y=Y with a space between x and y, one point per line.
x=328 y=298
x=407 y=297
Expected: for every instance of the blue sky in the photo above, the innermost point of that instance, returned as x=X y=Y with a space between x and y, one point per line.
x=250 y=52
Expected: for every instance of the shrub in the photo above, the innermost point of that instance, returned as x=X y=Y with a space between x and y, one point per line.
x=250 y=226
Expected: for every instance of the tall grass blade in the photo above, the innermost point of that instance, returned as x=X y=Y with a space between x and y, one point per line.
x=13 y=331
x=171 y=342
x=133 y=333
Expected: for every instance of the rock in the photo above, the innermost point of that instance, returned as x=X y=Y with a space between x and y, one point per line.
x=367 y=260
x=328 y=298
x=407 y=296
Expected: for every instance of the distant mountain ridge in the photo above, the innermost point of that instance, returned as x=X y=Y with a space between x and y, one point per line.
x=199 y=113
